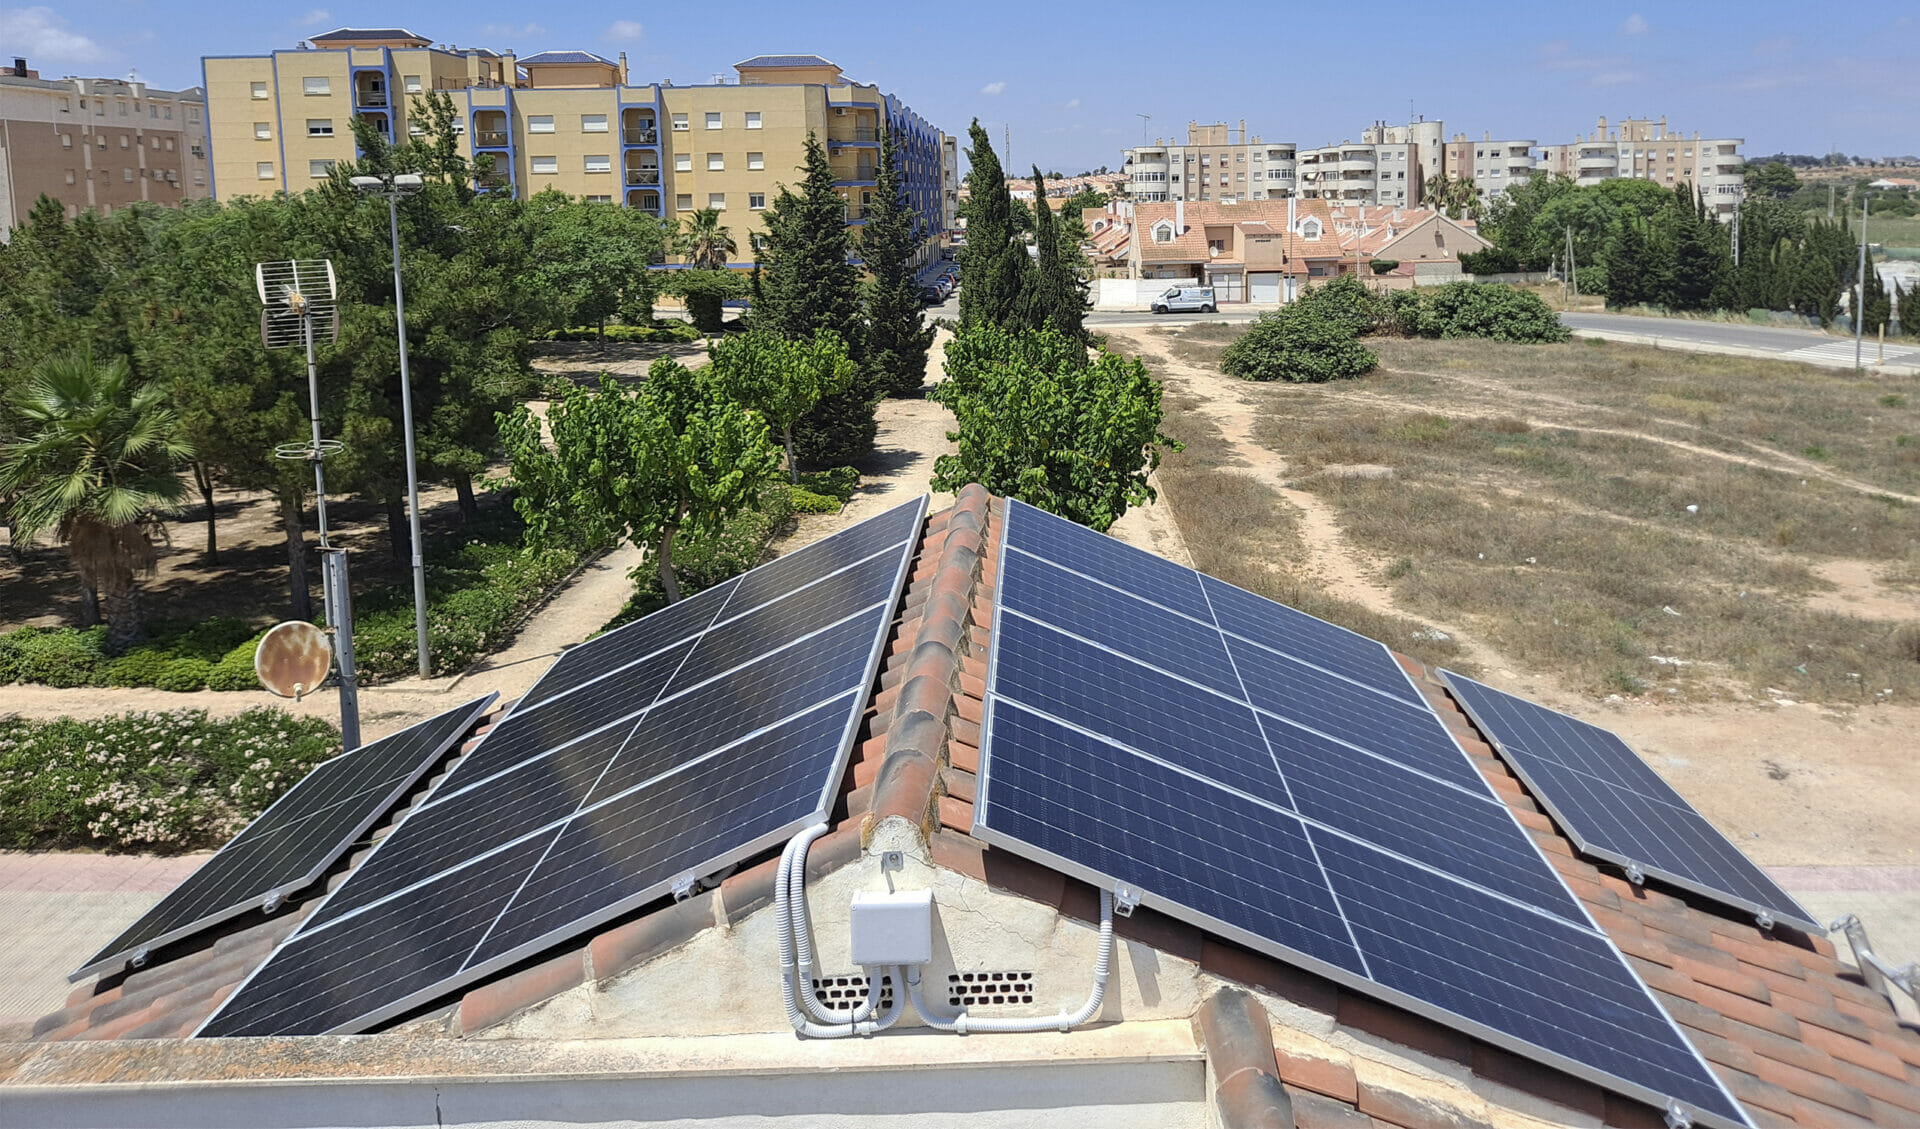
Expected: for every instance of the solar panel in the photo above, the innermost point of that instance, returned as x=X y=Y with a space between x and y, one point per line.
x=1614 y=807
x=679 y=751
x=296 y=839
x=1313 y=808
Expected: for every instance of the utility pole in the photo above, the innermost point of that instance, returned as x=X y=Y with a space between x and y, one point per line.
x=1573 y=275
x=1860 y=286
x=1829 y=199
x=1736 y=232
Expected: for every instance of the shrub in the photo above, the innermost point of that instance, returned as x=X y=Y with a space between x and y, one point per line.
x=840 y=482
x=1493 y=260
x=662 y=331
x=1297 y=343
x=184 y=676
x=474 y=599
x=55 y=656
x=141 y=666
x=1385 y=266
x=804 y=501
x=142 y=781
x=1477 y=309
x=708 y=561
x=234 y=671
x=1345 y=302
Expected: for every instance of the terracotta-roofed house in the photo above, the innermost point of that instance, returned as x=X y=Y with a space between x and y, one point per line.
x=672 y=1012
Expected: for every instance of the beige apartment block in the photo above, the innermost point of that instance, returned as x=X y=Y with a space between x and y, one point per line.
x=1646 y=149
x=1217 y=164
x=1493 y=166
x=100 y=143
x=574 y=122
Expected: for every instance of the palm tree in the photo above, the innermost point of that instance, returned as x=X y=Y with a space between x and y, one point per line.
x=95 y=458
x=704 y=241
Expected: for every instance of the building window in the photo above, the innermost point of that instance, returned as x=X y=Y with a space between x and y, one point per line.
x=263 y=131
x=169 y=144
x=540 y=123
x=599 y=164
x=716 y=162
x=545 y=166
x=259 y=93
x=1163 y=233
x=683 y=162
x=66 y=141
x=758 y=241
x=102 y=139
x=320 y=169
x=756 y=161
x=410 y=83
x=717 y=201
x=593 y=123
x=316 y=84
x=753 y=119
x=123 y=109
x=756 y=200
x=713 y=119
x=153 y=111
x=679 y=123
x=598 y=199
x=69 y=176
x=319 y=127
x=124 y=141
x=683 y=202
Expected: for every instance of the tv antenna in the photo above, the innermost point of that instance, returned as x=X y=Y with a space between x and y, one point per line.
x=1144 y=120
x=297 y=306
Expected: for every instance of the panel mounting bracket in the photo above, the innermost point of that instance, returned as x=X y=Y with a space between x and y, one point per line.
x=1677 y=1116
x=1126 y=899
x=1764 y=919
x=1635 y=875
x=273 y=901
x=685 y=887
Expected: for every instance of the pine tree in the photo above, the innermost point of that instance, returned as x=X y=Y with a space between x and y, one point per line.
x=1632 y=270
x=897 y=334
x=1052 y=294
x=994 y=261
x=1699 y=266
x=808 y=284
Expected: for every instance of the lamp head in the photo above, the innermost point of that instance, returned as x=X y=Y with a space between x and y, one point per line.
x=367 y=183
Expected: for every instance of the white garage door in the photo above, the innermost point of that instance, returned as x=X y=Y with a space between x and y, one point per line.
x=1264 y=286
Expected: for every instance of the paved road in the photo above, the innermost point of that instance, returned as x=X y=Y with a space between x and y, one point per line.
x=1806 y=345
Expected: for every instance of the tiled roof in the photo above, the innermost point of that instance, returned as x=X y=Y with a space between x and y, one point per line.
x=545 y=58
x=358 y=34
x=783 y=61
x=1795 y=1035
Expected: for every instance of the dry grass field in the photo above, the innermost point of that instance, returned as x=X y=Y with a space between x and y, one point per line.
x=1627 y=521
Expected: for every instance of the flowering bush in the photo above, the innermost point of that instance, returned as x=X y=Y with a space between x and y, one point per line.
x=150 y=781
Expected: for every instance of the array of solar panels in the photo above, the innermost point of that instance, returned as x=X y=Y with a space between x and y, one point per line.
x=1616 y=808
x=1279 y=780
x=296 y=839
x=650 y=757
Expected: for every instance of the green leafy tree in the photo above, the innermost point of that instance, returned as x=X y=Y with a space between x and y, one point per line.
x=1038 y=422
x=703 y=241
x=1088 y=197
x=779 y=378
x=676 y=456
x=95 y=457
x=994 y=260
x=591 y=258
x=1053 y=296
x=1773 y=178
x=897 y=334
x=807 y=284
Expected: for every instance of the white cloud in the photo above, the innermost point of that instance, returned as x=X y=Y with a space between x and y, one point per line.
x=993 y=88
x=315 y=18
x=38 y=33
x=512 y=31
x=1073 y=104
x=1636 y=25
x=623 y=31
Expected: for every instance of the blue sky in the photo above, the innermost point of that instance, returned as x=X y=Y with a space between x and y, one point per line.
x=1071 y=81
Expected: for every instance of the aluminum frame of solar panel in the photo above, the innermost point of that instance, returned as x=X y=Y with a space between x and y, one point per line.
x=1590 y=830
x=855 y=696
x=307 y=865
x=1584 y=926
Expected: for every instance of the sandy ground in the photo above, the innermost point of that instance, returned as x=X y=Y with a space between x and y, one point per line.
x=1826 y=797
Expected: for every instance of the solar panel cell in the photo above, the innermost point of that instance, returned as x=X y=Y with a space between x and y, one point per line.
x=805 y=565
x=580 y=665
x=732 y=642
x=1331 y=648
x=1111 y=562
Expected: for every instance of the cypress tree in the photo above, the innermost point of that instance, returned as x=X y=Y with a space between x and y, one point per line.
x=897 y=336
x=1876 y=305
x=1053 y=297
x=994 y=261
x=808 y=284
x=1699 y=266
x=1630 y=267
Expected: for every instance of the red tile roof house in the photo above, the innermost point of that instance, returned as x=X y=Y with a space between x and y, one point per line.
x=674 y=1012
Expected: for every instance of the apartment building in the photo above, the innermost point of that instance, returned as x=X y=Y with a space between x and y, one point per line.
x=98 y=143
x=1389 y=166
x=573 y=121
x=1211 y=166
x=1647 y=149
x=1493 y=166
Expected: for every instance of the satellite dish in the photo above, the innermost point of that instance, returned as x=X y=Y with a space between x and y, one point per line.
x=293 y=659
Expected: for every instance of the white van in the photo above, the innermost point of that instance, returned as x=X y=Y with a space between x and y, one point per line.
x=1185 y=300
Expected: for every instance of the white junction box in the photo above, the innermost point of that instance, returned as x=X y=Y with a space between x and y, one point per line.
x=893 y=928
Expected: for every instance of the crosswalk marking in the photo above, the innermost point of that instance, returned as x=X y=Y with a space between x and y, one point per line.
x=1843 y=351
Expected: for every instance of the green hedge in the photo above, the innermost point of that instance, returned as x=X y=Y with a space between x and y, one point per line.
x=662 y=331
x=179 y=655
x=150 y=781
x=1490 y=310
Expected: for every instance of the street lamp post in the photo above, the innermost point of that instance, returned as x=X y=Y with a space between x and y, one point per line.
x=1860 y=285
x=391 y=189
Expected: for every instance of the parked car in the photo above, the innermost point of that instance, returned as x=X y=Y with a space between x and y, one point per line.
x=931 y=295
x=1185 y=300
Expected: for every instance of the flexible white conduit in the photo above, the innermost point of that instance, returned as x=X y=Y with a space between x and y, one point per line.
x=816 y=1021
